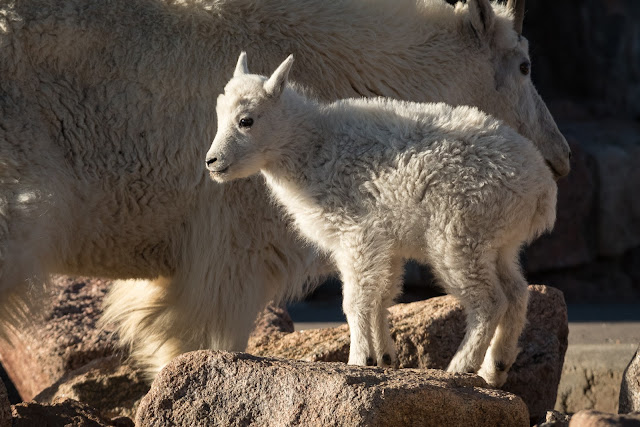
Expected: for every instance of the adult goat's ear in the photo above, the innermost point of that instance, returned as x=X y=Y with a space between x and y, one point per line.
x=275 y=85
x=241 y=66
x=482 y=17
x=517 y=8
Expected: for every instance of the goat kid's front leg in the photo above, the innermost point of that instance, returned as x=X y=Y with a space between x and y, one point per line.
x=357 y=305
x=385 y=349
x=360 y=290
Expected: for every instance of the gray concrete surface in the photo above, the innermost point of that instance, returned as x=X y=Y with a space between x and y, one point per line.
x=602 y=340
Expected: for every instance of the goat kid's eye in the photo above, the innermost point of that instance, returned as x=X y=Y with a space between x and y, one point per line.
x=245 y=122
x=525 y=68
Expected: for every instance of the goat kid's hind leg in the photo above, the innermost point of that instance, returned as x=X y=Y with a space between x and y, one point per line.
x=360 y=277
x=503 y=350
x=385 y=349
x=476 y=285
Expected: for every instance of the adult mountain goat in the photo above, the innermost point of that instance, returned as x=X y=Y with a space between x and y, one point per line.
x=375 y=181
x=107 y=109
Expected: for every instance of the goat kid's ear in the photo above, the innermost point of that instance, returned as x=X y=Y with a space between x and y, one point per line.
x=482 y=17
x=241 y=66
x=275 y=85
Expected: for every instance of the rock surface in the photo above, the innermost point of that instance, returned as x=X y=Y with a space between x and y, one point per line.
x=604 y=419
x=219 y=388
x=272 y=319
x=554 y=419
x=66 y=338
x=616 y=153
x=108 y=384
x=427 y=334
x=5 y=407
x=630 y=386
x=65 y=413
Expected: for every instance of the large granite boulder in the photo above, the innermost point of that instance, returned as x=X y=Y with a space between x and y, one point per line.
x=219 y=388
x=427 y=334
x=64 y=339
x=554 y=419
x=63 y=413
x=115 y=388
x=108 y=384
x=604 y=419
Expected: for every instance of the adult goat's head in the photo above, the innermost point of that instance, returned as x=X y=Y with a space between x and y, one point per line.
x=499 y=55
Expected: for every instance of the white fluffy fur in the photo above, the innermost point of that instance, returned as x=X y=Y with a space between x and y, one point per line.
x=107 y=109
x=375 y=181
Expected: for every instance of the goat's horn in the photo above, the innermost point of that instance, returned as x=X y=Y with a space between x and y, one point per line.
x=517 y=7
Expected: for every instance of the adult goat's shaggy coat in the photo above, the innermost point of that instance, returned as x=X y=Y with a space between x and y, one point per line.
x=106 y=111
x=373 y=182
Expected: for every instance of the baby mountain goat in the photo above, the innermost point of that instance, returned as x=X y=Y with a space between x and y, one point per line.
x=376 y=181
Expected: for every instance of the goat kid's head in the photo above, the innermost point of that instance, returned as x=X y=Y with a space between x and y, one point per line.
x=248 y=120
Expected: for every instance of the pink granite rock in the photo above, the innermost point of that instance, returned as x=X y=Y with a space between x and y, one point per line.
x=427 y=334
x=272 y=319
x=64 y=413
x=108 y=384
x=219 y=388
x=554 y=419
x=57 y=350
x=603 y=419
x=66 y=338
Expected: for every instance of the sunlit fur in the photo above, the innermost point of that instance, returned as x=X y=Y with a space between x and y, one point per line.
x=375 y=181
x=106 y=112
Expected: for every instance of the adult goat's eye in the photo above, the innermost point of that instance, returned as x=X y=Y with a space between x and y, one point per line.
x=525 y=68
x=245 y=122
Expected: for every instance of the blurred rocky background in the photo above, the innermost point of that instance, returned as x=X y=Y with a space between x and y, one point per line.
x=586 y=65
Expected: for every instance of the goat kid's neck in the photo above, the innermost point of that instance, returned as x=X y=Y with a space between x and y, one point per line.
x=299 y=139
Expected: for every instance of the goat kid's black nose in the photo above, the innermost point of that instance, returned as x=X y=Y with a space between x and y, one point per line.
x=211 y=161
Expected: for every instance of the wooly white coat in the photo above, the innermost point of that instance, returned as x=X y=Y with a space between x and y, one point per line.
x=375 y=181
x=107 y=109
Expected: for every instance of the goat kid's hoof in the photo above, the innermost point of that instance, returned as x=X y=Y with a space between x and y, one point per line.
x=494 y=378
x=459 y=368
x=387 y=361
x=362 y=361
